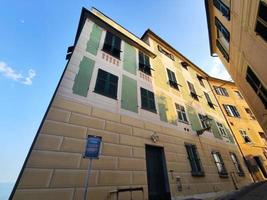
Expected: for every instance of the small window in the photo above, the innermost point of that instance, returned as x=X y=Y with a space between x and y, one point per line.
x=249 y=112
x=209 y=100
x=185 y=65
x=221 y=91
x=263 y=137
x=245 y=136
x=112 y=45
x=192 y=90
x=257 y=86
x=172 y=79
x=106 y=84
x=261 y=23
x=181 y=113
x=195 y=163
x=163 y=51
x=220 y=164
x=221 y=6
x=231 y=111
x=238 y=94
x=221 y=129
x=203 y=120
x=200 y=79
x=144 y=64
x=148 y=100
x=237 y=165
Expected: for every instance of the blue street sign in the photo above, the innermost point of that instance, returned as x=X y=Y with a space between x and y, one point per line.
x=92 y=149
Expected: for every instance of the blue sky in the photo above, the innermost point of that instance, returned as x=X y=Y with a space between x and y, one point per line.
x=34 y=39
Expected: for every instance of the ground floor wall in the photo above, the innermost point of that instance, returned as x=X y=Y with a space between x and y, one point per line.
x=56 y=168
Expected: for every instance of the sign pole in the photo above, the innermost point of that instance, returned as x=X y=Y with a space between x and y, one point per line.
x=87 y=178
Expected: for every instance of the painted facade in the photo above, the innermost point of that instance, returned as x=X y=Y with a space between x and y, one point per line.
x=238 y=35
x=245 y=128
x=129 y=91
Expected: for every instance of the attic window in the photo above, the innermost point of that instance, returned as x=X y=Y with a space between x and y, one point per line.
x=165 y=52
x=185 y=65
x=200 y=79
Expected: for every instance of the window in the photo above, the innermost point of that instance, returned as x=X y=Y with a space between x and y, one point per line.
x=221 y=6
x=144 y=64
x=219 y=164
x=249 y=112
x=165 y=53
x=200 y=79
x=147 y=100
x=106 y=84
x=223 y=39
x=185 y=65
x=203 y=120
x=181 y=113
x=231 y=110
x=221 y=129
x=238 y=94
x=209 y=100
x=261 y=23
x=192 y=90
x=257 y=86
x=263 y=137
x=112 y=45
x=193 y=157
x=237 y=164
x=221 y=91
x=245 y=136
x=172 y=79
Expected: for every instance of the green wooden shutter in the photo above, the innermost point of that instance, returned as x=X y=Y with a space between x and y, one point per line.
x=82 y=79
x=129 y=63
x=129 y=94
x=93 y=43
x=193 y=118
x=162 y=105
x=229 y=134
x=215 y=129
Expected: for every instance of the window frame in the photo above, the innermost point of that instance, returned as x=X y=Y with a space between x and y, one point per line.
x=208 y=100
x=201 y=117
x=183 y=113
x=245 y=136
x=223 y=171
x=231 y=111
x=261 y=22
x=237 y=164
x=111 y=49
x=194 y=160
x=221 y=129
x=238 y=94
x=172 y=79
x=107 y=85
x=144 y=63
x=192 y=90
x=148 y=100
x=221 y=91
x=223 y=8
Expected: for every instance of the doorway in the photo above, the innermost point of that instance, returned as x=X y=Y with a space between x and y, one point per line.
x=157 y=176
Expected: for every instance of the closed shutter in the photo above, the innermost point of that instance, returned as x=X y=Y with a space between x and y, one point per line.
x=129 y=59
x=82 y=79
x=93 y=43
x=147 y=100
x=129 y=99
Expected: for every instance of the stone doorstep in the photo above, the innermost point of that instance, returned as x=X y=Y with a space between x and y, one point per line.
x=203 y=196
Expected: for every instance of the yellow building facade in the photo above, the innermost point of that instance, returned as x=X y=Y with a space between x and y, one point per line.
x=238 y=35
x=151 y=106
x=248 y=134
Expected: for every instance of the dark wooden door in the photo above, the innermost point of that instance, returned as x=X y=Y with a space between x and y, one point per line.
x=157 y=176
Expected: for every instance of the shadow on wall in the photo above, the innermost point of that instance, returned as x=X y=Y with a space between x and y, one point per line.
x=163 y=110
x=256 y=167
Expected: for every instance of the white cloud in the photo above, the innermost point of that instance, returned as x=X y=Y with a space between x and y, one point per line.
x=10 y=73
x=22 y=21
x=219 y=71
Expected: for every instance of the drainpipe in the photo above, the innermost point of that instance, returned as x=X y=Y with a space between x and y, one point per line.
x=239 y=148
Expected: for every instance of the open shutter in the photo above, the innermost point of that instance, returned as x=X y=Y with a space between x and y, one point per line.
x=214 y=128
x=194 y=121
x=93 y=43
x=230 y=136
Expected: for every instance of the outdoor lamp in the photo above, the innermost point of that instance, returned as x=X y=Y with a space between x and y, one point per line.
x=207 y=121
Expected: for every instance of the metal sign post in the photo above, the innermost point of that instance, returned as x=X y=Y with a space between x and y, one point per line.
x=92 y=151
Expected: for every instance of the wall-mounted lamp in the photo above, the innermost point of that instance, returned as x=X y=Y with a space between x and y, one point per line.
x=207 y=121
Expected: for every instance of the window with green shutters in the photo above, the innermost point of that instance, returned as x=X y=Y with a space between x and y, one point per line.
x=106 y=84
x=181 y=113
x=221 y=129
x=94 y=40
x=144 y=64
x=209 y=100
x=172 y=79
x=148 y=100
x=195 y=163
x=219 y=164
x=112 y=45
x=192 y=90
x=203 y=120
